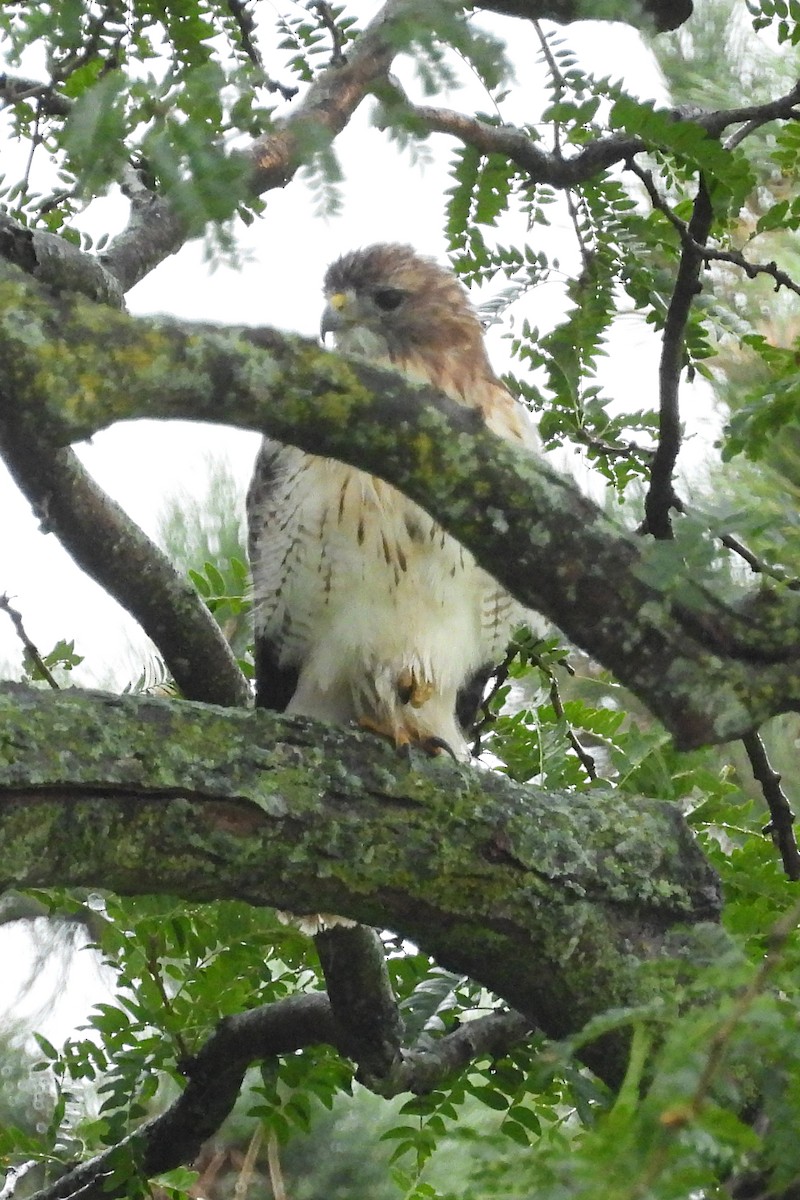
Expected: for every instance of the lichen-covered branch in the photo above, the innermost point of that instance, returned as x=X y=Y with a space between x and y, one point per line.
x=357 y=980
x=554 y=902
x=710 y=668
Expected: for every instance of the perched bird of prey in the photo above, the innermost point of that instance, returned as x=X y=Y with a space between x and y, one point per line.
x=365 y=609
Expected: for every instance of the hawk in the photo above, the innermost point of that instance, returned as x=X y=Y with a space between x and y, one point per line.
x=365 y=610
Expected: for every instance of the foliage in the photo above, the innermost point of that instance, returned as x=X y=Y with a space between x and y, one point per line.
x=205 y=538
x=160 y=93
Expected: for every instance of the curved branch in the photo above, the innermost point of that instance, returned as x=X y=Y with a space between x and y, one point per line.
x=539 y=164
x=115 y=552
x=661 y=497
x=554 y=902
x=155 y=230
x=551 y=167
x=662 y=14
x=711 y=669
x=361 y=996
x=215 y=1078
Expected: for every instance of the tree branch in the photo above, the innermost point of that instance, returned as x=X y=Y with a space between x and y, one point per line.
x=31 y=650
x=781 y=824
x=551 y=167
x=216 y=1073
x=661 y=497
x=711 y=669
x=361 y=996
x=662 y=14
x=155 y=230
x=257 y=807
x=115 y=552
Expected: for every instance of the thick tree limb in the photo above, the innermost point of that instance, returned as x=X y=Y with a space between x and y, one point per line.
x=712 y=670
x=360 y=991
x=554 y=902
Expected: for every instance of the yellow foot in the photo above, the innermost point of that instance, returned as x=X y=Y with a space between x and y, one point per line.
x=406 y=740
x=412 y=690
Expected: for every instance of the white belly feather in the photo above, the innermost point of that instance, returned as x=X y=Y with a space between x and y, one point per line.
x=359 y=587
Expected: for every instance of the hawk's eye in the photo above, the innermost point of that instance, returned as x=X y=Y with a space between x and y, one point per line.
x=388 y=298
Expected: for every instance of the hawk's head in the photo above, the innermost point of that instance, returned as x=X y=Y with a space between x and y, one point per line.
x=388 y=302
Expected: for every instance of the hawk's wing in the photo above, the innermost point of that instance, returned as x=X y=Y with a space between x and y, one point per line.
x=275 y=682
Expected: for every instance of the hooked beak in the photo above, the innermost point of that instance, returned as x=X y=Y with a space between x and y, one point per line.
x=333 y=318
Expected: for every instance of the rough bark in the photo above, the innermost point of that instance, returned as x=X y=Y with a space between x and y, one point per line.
x=711 y=668
x=554 y=902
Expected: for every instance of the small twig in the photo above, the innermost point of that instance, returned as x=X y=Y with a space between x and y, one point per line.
x=247 y=27
x=485 y=717
x=15 y=1175
x=275 y=1171
x=30 y=649
x=708 y=253
x=325 y=14
x=245 y=1176
x=558 y=78
x=560 y=85
x=586 y=759
x=782 y=818
x=751 y=269
x=756 y=564
x=625 y=450
x=154 y=967
x=749 y=127
x=36 y=141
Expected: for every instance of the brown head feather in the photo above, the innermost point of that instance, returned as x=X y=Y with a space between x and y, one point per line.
x=422 y=322
x=436 y=314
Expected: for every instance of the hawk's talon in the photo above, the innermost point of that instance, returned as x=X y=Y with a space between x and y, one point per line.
x=433 y=746
x=405 y=742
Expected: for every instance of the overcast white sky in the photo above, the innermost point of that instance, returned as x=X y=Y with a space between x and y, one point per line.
x=283 y=259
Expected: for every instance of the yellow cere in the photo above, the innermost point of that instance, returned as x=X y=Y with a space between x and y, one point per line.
x=338 y=300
